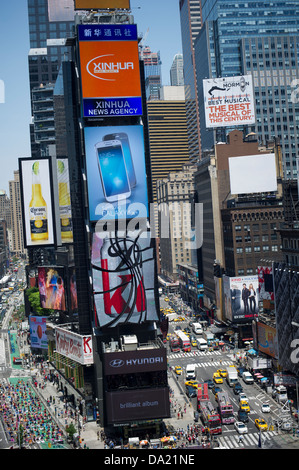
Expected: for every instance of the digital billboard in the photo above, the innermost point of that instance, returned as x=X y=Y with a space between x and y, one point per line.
x=133 y=405
x=36 y=197
x=102 y=4
x=73 y=296
x=37 y=329
x=265 y=277
x=109 y=70
x=252 y=174
x=229 y=101
x=116 y=172
x=51 y=285
x=123 y=273
x=65 y=209
x=241 y=297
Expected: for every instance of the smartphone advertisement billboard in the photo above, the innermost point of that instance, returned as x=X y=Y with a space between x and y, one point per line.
x=241 y=297
x=116 y=173
x=109 y=69
x=229 y=101
x=37 y=329
x=51 y=285
x=36 y=197
x=123 y=273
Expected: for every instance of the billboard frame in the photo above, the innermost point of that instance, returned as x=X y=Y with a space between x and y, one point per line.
x=52 y=201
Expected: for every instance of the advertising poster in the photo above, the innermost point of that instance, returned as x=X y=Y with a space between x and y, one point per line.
x=267 y=340
x=37 y=329
x=73 y=290
x=73 y=346
x=263 y=180
x=265 y=279
x=229 y=101
x=109 y=69
x=116 y=173
x=241 y=297
x=36 y=196
x=65 y=209
x=51 y=285
x=123 y=279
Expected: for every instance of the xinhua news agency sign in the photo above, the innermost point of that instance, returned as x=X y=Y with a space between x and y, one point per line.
x=110 y=73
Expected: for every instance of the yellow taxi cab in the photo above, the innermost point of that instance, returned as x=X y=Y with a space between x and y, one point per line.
x=192 y=383
x=167 y=337
x=193 y=342
x=217 y=378
x=166 y=299
x=244 y=406
x=222 y=372
x=178 y=370
x=261 y=424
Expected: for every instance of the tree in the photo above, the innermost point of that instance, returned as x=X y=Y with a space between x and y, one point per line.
x=71 y=430
x=34 y=300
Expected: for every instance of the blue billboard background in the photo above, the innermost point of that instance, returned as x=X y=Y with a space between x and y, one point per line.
x=127 y=167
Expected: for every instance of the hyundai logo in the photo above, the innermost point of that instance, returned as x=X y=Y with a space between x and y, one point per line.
x=117 y=363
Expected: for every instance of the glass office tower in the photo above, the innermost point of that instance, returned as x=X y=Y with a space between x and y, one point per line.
x=259 y=38
x=50 y=21
x=190 y=17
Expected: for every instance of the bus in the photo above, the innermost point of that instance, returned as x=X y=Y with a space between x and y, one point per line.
x=174 y=344
x=209 y=415
x=225 y=408
x=184 y=341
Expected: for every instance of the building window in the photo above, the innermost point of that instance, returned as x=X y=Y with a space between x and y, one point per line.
x=240 y=272
x=266 y=248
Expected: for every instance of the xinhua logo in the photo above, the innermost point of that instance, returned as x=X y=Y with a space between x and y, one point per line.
x=99 y=66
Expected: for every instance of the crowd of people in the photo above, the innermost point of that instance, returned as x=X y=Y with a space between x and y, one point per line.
x=26 y=420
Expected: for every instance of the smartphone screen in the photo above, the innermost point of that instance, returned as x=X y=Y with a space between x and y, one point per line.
x=113 y=170
x=122 y=136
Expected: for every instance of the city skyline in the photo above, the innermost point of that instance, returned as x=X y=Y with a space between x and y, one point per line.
x=15 y=112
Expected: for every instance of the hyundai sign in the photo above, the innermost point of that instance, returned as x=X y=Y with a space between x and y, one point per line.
x=126 y=362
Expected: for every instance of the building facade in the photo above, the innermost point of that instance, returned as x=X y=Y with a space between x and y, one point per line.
x=174 y=197
x=16 y=216
x=261 y=39
x=190 y=18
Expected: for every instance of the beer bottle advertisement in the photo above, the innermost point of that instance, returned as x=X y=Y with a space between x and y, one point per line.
x=36 y=199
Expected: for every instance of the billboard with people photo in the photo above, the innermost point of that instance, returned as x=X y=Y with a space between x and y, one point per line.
x=241 y=296
x=51 y=285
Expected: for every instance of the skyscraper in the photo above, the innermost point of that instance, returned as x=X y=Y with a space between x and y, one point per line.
x=152 y=72
x=190 y=16
x=50 y=22
x=177 y=71
x=261 y=39
x=16 y=215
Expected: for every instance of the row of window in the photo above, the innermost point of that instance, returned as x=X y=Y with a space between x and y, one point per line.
x=257 y=249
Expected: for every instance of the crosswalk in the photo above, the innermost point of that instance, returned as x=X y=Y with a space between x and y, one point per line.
x=194 y=353
x=249 y=440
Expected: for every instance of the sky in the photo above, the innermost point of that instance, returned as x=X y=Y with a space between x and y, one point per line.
x=159 y=19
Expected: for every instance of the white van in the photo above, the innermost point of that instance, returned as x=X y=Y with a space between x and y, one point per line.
x=202 y=345
x=247 y=377
x=197 y=328
x=190 y=372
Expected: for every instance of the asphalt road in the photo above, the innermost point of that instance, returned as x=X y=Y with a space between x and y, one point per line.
x=208 y=363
